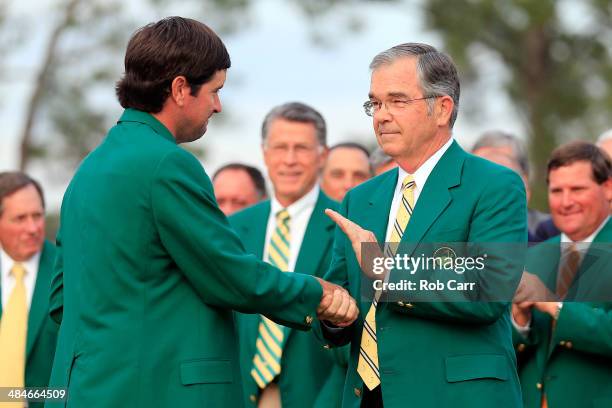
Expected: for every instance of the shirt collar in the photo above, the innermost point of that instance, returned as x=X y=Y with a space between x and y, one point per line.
x=307 y=201
x=6 y=263
x=566 y=240
x=422 y=173
x=133 y=115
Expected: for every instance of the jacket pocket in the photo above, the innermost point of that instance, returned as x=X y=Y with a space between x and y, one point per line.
x=205 y=371
x=477 y=366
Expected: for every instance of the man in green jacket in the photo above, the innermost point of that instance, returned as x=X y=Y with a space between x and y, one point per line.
x=148 y=269
x=27 y=333
x=294 y=149
x=434 y=352
x=564 y=347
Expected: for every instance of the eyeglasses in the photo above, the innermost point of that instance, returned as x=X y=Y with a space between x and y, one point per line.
x=393 y=106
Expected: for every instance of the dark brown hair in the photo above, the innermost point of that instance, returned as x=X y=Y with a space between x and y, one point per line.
x=579 y=150
x=13 y=181
x=253 y=173
x=159 y=52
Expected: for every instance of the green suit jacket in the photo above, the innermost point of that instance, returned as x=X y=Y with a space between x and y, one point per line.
x=439 y=354
x=572 y=364
x=147 y=274
x=42 y=331
x=310 y=376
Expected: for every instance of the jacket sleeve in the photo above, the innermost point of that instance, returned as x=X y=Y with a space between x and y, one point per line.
x=208 y=252
x=338 y=274
x=586 y=327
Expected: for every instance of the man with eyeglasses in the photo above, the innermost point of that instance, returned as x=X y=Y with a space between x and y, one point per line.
x=281 y=366
x=431 y=353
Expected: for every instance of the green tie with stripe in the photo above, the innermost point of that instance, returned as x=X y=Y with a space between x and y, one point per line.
x=269 y=344
x=367 y=365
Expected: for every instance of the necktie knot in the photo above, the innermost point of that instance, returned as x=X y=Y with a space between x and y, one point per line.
x=282 y=217
x=408 y=182
x=18 y=271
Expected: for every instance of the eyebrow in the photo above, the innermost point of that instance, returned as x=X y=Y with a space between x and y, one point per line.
x=391 y=94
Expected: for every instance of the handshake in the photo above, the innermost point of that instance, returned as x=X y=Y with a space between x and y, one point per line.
x=336 y=306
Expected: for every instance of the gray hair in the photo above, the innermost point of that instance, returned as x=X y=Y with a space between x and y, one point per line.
x=607 y=135
x=498 y=138
x=436 y=71
x=296 y=112
x=379 y=158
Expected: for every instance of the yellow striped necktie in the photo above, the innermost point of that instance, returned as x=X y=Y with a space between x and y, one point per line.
x=13 y=333
x=272 y=336
x=367 y=365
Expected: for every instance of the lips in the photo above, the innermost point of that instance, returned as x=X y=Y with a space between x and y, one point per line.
x=289 y=175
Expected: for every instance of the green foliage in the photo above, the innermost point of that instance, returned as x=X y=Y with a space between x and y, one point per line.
x=559 y=71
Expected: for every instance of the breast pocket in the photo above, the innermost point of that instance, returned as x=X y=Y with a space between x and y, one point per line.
x=447 y=235
x=206 y=371
x=477 y=366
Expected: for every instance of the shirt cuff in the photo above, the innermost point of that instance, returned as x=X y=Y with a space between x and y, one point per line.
x=522 y=330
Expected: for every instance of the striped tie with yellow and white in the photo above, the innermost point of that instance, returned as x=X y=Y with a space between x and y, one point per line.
x=13 y=334
x=367 y=365
x=271 y=338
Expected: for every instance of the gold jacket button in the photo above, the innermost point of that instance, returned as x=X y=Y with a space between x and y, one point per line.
x=521 y=347
x=539 y=386
x=253 y=398
x=308 y=320
x=400 y=303
x=357 y=392
x=562 y=343
x=409 y=305
x=327 y=346
x=569 y=344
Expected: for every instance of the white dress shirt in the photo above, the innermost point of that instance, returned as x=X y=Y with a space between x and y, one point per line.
x=420 y=178
x=299 y=213
x=7 y=280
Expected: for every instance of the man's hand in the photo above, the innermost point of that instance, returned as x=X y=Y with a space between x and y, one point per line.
x=551 y=308
x=337 y=306
x=357 y=236
x=531 y=289
x=521 y=313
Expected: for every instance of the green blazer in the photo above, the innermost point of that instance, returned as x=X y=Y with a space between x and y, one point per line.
x=307 y=369
x=147 y=275
x=439 y=354
x=573 y=363
x=42 y=331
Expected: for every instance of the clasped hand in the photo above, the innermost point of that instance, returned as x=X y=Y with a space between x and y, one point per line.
x=336 y=306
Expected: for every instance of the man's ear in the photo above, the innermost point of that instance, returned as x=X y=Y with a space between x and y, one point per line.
x=323 y=157
x=607 y=185
x=179 y=89
x=444 y=107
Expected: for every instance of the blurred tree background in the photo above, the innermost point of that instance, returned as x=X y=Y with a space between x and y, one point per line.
x=556 y=54
x=556 y=67
x=559 y=72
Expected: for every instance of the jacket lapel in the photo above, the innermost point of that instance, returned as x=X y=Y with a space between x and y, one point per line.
x=317 y=238
x=435 y=197
x=39 y=308
x=254 y=234
x=377 y=213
